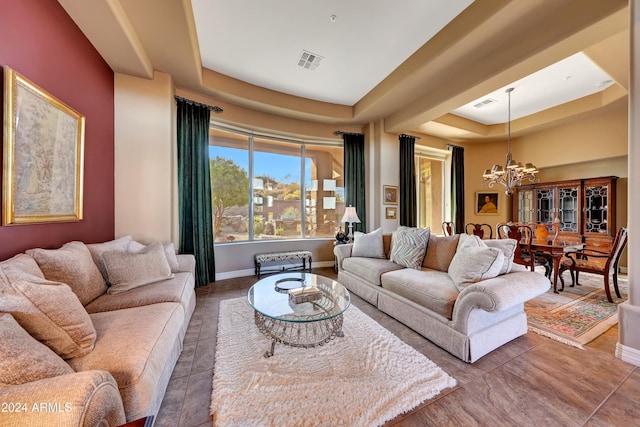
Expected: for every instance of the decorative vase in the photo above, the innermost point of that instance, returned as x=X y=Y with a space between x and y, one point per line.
x=541 y=232
x=340 y=236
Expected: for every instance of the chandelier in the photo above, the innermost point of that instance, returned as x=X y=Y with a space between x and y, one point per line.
x=514 y=172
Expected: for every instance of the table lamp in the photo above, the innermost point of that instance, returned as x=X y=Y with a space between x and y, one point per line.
x=351 y=217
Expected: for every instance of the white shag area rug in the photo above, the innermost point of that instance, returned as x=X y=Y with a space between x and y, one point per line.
x=365 y=378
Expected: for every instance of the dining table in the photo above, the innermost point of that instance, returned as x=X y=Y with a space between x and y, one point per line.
x=556 y=248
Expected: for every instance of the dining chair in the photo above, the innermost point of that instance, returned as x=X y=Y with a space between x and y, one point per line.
x=523 y=254
x=596 y=262
x=484 y=231
x=448 y=228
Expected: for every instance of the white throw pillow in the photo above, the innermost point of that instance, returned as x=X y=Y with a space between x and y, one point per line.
x=472 y=264
x=130 y=270
x=508 y=248
x=409 y=245
x=369 y=245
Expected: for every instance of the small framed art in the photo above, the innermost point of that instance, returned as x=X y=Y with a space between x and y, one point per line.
x=390 y=213
x=390 y=194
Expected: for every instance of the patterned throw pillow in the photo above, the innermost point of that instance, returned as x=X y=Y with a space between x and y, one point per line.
x=369 y=245
x=408 y=246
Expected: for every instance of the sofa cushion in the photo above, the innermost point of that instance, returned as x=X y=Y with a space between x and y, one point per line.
x=22 y=358
x=440 y=251
x=147 y=336
x=408 y=246
x=97 y=249
x=129 y=270
x=49 y=311
x=178 y=289
x=169 y=252
x=369 y=245
x=369 y=269
x=431 y=289
x=473 y=264
x=72 y=264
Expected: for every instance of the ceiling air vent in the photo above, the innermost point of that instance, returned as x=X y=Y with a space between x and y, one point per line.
x=309 y=60
x=485 y=102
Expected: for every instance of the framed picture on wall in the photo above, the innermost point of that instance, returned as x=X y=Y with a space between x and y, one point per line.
x=487 y=203
x=390 y=194
x=390 y=213
x=43 y=155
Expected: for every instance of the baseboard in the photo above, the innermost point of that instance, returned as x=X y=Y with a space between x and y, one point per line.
x=628 y=354
x=251 y=271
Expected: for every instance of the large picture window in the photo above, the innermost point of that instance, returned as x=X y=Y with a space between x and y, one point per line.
x=265 y=187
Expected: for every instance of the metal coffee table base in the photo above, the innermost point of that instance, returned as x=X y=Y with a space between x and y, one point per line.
x=298 y=334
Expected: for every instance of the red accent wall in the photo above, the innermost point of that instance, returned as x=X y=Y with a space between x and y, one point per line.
x=41 y=42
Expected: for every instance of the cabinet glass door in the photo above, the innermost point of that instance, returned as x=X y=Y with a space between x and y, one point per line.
x=596 y=209
x=545 y=205
x=568 y=208
x=525 y=206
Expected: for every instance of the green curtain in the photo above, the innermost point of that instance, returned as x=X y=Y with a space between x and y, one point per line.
x=457 y=188
x=194 y=188
x=354 y=177
x=407 y=192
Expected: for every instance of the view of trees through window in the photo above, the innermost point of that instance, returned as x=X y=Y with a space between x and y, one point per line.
x=292 y=189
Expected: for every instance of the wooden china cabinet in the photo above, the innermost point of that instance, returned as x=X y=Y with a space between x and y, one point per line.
x=585 y=209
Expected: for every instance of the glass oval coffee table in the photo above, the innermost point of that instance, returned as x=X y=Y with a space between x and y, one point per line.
x=306 y=324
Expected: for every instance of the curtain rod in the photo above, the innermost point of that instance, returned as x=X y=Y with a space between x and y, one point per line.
x=454 y=146
x=411 y=136
x=339 y=132
x=213 y=108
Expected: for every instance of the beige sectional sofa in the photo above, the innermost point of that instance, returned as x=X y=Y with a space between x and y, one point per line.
x=98 y=329
x=464 y=294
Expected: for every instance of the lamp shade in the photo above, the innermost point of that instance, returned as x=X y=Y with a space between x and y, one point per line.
x=350 y=215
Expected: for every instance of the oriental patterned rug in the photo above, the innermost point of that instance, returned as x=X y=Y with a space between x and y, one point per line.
x=365 y=378
x=577 y=315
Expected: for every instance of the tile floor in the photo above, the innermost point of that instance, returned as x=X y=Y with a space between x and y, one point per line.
x=531 y=381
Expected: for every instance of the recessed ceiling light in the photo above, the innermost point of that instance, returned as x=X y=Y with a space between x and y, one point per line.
x=333 y=18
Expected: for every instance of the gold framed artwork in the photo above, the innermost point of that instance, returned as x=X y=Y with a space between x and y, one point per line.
x=487 y=203
x=390 y=194
x=390 y=213
x=43 y=155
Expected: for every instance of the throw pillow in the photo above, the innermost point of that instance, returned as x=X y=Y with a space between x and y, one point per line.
x=49 y=311
x=440 y=251
x=120 y=244
x=23 y=359
x=23 y=263
x=508 y=248
x=73 y=265
x=472 y=264
x=130 y=270
x=169 y=252
x=369 y=245
x=408 y=246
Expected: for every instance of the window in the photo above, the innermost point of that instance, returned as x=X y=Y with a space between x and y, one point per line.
x=432 y=187
x=265 y=187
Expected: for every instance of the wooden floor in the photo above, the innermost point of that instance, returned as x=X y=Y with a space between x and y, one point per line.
x=531 y=381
